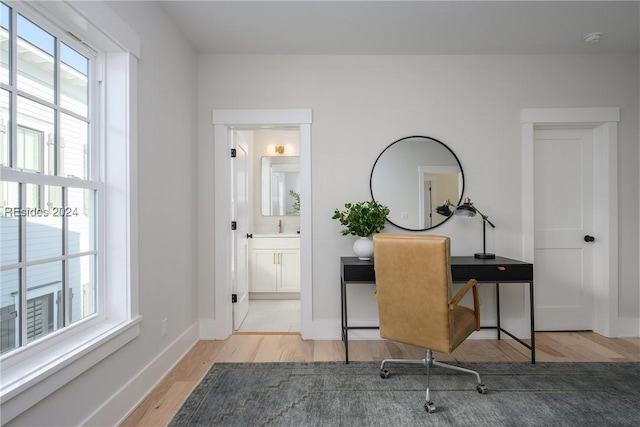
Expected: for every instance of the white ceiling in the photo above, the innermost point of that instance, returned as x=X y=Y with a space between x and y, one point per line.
x=406 y=27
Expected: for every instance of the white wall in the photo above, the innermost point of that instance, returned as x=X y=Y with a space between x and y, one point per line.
x=167 y=232
x=471 y=103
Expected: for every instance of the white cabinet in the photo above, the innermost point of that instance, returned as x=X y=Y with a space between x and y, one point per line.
x=275 y=264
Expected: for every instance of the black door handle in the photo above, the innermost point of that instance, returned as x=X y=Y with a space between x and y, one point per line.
x=249 y=236
x=588 y=238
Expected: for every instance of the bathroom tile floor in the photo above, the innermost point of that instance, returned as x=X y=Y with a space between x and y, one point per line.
x=272 y=316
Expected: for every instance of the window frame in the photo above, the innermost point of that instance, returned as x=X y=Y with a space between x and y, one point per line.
x=44 y=178
x=40 y=148
x=26 y=377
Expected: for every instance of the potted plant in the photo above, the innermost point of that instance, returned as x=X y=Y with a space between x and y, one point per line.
x=296 y=202
x=362 y=219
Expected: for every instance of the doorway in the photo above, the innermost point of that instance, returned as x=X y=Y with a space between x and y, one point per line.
x=599 y=127
x=219 y=324
x=267 y=283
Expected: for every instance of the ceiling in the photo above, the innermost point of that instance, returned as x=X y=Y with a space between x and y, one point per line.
x=406 y=27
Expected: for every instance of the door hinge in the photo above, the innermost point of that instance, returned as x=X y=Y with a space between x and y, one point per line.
x=234 y=225
x=234 y=298
x=233 y=152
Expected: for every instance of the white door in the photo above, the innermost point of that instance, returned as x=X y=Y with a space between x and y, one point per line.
x=240 y=214
x=563 y=216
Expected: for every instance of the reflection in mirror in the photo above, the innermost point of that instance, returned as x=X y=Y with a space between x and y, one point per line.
x=413 y=176
x=280 y=185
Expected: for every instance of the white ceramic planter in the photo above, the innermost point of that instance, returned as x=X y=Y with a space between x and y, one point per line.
x=363 y=248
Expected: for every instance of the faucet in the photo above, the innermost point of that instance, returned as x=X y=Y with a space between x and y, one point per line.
x=280 y=226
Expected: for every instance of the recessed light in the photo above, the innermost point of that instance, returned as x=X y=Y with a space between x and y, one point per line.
x=592 y=38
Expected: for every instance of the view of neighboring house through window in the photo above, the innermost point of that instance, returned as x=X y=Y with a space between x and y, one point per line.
x=49 y=190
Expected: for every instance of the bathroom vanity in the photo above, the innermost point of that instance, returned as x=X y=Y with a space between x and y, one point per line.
x=274 y=265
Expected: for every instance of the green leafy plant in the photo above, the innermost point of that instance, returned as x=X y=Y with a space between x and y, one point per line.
x=362 y=219
x=296 y=203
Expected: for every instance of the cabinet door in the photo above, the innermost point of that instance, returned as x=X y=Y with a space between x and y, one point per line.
x=263 y=271
x=289 y=270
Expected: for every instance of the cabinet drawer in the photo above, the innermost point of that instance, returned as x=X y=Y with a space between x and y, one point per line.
x=493 y=273
x=275 y=243
x=359 y=273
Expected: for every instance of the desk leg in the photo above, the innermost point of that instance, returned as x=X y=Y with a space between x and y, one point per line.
x=531 y=346
x=533 y=328
x=345 y=327
x=498 y=307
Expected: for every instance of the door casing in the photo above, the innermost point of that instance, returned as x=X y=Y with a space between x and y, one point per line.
x=221 y=326
x=604 y=122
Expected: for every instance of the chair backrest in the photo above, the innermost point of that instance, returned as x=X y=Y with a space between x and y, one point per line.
x=413 y=289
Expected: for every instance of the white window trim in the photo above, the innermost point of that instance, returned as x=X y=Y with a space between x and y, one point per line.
x=31 y=373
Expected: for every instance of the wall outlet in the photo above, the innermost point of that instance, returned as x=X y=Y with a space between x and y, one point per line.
x=164 y=328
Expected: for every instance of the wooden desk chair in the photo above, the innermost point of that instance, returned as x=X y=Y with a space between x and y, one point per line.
x=413 y=289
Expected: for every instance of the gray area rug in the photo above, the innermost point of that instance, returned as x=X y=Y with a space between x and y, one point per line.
x=337 y=394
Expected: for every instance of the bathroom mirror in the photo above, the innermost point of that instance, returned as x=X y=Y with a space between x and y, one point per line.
x=413 y=176
x=280 y=178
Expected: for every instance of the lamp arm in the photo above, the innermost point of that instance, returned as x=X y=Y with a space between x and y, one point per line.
x=484 y=217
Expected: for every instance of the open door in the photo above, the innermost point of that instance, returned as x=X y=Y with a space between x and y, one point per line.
x=240 y=245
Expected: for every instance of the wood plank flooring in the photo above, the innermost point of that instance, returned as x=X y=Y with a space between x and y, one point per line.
x=161 y=405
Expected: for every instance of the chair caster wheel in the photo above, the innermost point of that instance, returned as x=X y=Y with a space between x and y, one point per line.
x=384 y=374
x=429 y=407
x=482 y=389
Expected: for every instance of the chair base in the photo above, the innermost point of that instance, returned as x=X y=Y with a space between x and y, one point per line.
x=428 y=362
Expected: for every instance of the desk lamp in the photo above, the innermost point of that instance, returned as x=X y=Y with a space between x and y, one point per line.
x=467 y=210
x=444 y=209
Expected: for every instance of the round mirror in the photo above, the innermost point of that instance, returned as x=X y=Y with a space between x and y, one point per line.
x=413 y=176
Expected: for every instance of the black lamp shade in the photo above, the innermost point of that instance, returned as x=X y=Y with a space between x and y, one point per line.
x=465 y=209
x=443 y=210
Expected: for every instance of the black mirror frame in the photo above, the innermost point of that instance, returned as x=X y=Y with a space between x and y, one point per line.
x=432 y=139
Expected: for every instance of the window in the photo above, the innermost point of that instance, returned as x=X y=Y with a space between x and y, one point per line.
x=49 y=255
x=68 y=280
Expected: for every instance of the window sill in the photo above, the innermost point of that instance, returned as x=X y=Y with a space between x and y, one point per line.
x=42 y=373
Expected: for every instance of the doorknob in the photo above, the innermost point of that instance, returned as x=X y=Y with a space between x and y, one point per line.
x=588 y=238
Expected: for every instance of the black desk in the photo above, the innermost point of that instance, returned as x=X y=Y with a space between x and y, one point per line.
x=498 y=270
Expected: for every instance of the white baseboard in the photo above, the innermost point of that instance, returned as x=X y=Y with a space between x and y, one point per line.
x=322 y=330
x=628 y=327
x=210 y=329
x=328 y=330
x=374 y=334
x=274 y=295
x=116 y=409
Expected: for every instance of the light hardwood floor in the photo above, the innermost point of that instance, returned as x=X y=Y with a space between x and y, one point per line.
x=161 y=405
